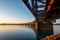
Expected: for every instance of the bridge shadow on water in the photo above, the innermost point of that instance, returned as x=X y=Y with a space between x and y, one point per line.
x=43 y=30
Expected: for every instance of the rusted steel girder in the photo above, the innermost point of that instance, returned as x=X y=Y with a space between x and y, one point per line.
x=34 y=6
x=50 y=13
x=53 y=8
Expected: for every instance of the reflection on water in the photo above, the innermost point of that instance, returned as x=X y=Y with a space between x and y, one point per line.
x=16 y=32
x=20 y=32
x=56 y=29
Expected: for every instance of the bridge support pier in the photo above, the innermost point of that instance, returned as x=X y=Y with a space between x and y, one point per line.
x=43 y=29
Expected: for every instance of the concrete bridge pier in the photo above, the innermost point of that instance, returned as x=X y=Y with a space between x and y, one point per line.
x=43 y=29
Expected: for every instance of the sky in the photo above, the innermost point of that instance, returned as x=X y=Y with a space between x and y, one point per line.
x=15 y=11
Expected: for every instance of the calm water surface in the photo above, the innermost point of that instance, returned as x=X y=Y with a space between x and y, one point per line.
x=20 y=32
x=16 y=32
x=56 y=29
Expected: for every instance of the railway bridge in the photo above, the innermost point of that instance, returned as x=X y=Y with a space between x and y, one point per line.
x=45 y=12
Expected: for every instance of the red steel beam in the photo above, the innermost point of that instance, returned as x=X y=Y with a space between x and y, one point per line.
x=49 y=4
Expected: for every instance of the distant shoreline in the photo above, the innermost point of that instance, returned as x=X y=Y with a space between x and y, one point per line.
x=22 y=24
x=56 y=24
x=15 y=24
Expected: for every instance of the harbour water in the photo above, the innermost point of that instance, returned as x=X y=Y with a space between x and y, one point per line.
x=56 y=29
x=20 y=32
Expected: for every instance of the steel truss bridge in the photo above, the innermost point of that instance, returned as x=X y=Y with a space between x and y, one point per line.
x=46 y=12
